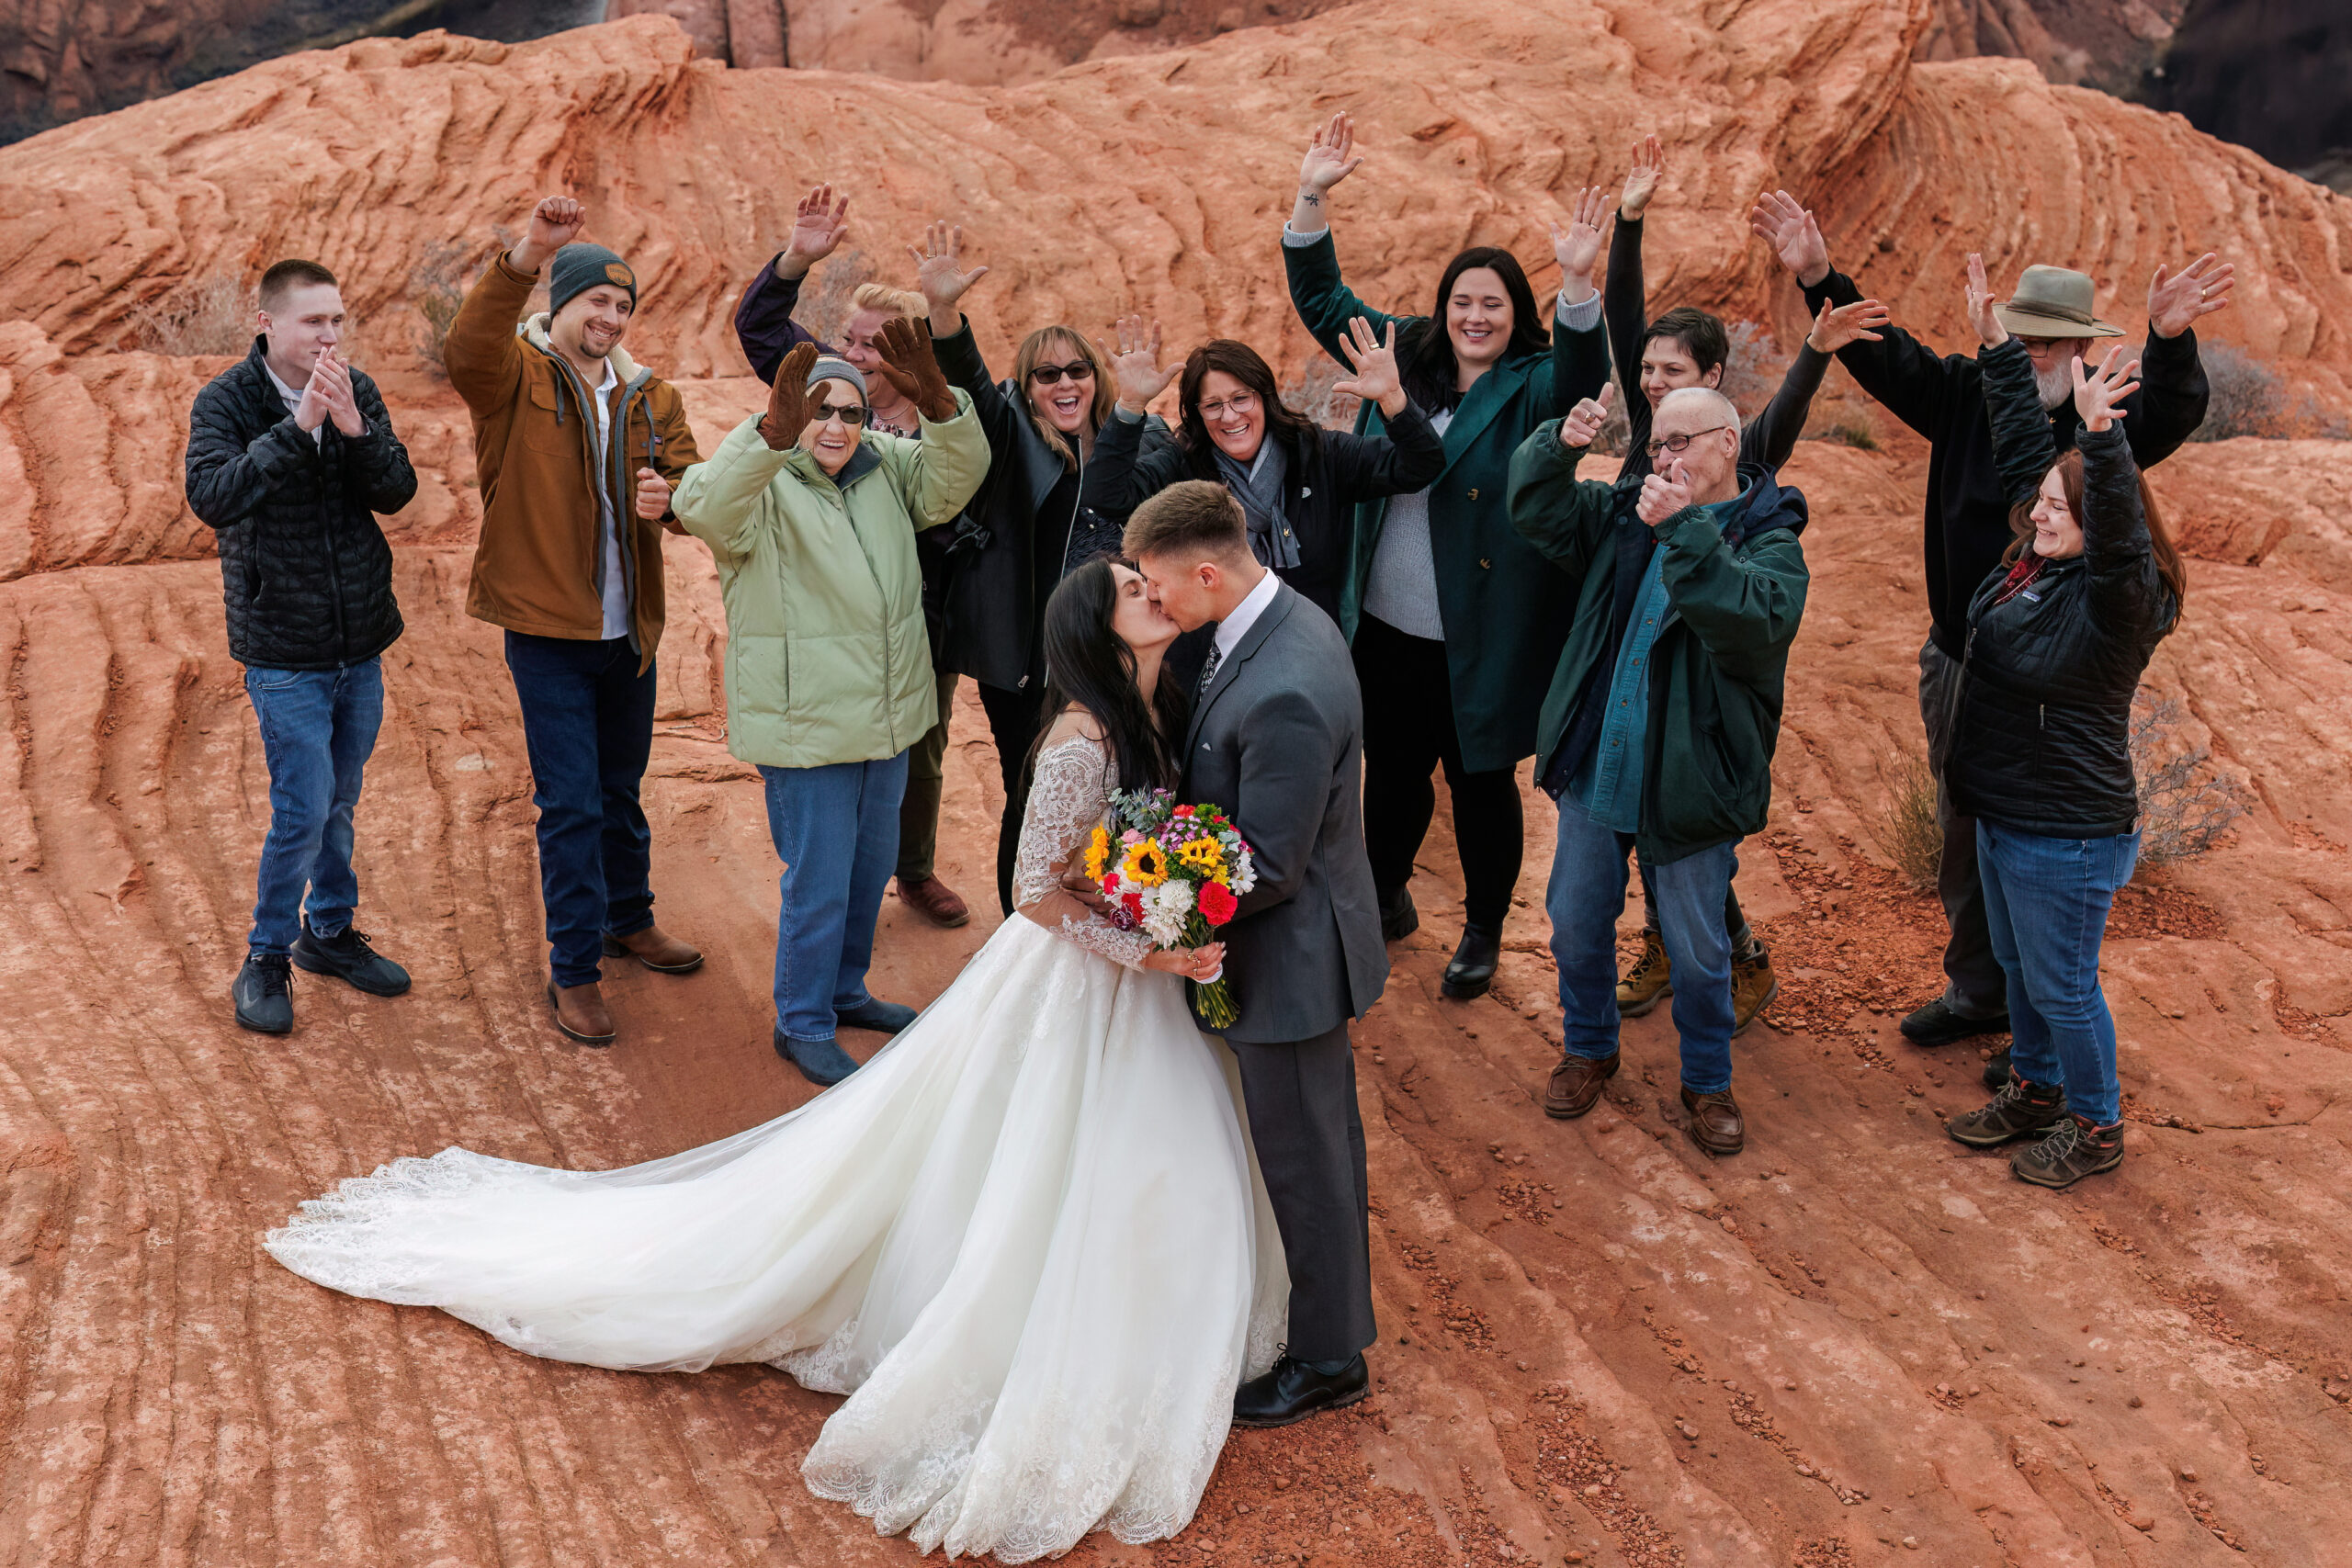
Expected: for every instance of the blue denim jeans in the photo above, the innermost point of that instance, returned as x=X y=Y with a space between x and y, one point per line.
x=2045 y=903
x=318 y=728
x=1586 y=896
x=588 y=723
x=836 y=829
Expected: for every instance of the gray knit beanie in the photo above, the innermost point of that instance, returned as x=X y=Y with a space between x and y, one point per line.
x=829 y=369
x=580 y=267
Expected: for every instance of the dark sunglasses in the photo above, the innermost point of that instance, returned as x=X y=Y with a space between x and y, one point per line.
x=1077 y=370
x=848 y=414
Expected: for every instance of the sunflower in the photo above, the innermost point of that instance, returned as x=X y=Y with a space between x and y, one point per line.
x=1204 y=855
x=1145 y=864
x=1098 y=852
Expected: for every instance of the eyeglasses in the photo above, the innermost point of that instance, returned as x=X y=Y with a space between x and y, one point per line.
x=1657 y=444
x=1239 y=405
x=1077 y=370
x=848 y=414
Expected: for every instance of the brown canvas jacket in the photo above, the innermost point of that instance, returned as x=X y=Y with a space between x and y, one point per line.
x=539 y=564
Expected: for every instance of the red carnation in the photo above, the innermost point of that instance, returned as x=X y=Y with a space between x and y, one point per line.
x=1133 y=902
x=1216 y=903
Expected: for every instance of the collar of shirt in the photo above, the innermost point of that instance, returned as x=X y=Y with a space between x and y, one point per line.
x=292 y=395
x=1235 y=626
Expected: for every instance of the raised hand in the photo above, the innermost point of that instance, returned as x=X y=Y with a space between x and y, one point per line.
x=939 y=273
x=652 y=495
x=1664 y=494
x=1577 y=246
x=1839 y=325
x=909 y=364
x=2099 y=397
x=1585 y=420
x=820 y=223
x=333 y=378
x=1795 y=238
x=1330 y=157
x=788 y=399
x=555 y=223
x=1135 y=362
x=2176 y=299
x=1989 y=330
x=1641 y=181
x=1377 y=379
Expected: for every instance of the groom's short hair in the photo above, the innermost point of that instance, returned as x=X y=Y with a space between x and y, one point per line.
x=1198 y=518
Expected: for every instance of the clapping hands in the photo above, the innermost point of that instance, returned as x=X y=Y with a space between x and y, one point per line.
x=328 y=395
x=1377 y=379
x=2098 y=396
x=1135 y=362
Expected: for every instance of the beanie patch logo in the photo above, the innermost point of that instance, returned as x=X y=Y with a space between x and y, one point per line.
x=615 y=273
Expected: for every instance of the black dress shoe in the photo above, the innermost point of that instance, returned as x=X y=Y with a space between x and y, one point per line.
x=1398 y=919
x=264 y=993
x=1473 y=969
x=347 y=955
x=1939 y=1024
x=1292 y=1390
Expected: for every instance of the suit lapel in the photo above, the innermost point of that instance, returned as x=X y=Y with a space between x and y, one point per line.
x=1274 y=614
x=1487 y=397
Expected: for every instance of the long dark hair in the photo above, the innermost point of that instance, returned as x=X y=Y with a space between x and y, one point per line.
x=1425 y=351
x=1088 y=665
x=1242 y=363
x=2069 y=469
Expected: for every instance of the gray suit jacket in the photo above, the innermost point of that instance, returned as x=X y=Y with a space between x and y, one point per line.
x=1278 y=742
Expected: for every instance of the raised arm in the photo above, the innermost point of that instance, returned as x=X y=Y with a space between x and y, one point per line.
x=1578 y=366
x=2127 y=596
x=481 y=353
x=939 y=473
x=1409 y=452
x=718 y=500
x=763 y=325
x=1325 y=304
x=2023 y=447
x=2174 y=393
x=1564 y=518
x=1624 y=303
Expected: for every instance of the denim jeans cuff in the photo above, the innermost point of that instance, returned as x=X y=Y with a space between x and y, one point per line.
x=1718 y=1089
x=632 y=926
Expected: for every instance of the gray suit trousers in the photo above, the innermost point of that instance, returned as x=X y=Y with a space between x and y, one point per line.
x=1302 y=1104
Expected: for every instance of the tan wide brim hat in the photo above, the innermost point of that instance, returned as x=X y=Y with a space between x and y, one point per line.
x=2053 y=302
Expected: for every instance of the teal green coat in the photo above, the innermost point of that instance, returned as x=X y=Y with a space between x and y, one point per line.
x=1507 y=611
x=1720 y=662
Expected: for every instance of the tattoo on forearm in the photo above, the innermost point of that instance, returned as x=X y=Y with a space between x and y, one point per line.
x=1310 y=198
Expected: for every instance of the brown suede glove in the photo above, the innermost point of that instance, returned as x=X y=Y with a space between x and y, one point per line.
x=912 y=367
x=788 y=402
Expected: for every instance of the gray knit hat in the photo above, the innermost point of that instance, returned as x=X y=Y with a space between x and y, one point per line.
x=580 y=267
x=829 y=369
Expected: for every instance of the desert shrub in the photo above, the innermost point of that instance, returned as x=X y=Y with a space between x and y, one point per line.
x=1906 y=826
x=2250 y=398
x=2185 y=804
x=213 y=315
x=1310 y=393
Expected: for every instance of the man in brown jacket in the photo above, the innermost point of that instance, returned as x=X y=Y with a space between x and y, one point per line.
x=577 y=449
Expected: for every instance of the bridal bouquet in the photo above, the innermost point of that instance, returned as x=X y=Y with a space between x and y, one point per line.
x=1174 y=873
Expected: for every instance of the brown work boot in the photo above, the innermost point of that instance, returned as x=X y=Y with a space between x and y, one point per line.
x=1646 y=982
x=580 y=1012
x=934 y=901
x=1714 y=1125
x=1753 y=987
x=656 y=949
x=1575 y=1085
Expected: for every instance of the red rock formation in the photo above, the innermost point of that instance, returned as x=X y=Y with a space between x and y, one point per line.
x=2109 y=44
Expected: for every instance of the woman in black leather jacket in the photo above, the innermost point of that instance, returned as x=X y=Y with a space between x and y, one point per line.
x=2041 y=755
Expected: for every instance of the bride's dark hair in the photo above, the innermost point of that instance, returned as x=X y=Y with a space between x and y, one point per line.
x=1088 y=665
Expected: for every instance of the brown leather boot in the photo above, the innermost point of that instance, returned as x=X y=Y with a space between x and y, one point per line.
x=1714 y=1125
x=580 y=1012
x=934 y=901
x=657 y=950
x=1575 y=1085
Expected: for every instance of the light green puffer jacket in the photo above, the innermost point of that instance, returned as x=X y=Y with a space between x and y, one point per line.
x=826 y=658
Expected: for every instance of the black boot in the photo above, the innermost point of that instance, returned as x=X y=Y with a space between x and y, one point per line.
x=1473 y=969
x=347 y=956
x=264 y=992
x=1398 y=919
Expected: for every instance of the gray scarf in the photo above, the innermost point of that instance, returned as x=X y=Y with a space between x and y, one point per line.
x=1258 y=488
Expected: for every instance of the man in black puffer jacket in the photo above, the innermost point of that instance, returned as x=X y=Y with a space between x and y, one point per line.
x=289 y=456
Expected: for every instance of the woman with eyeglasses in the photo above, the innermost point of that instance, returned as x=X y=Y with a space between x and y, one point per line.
x=1032 y=521
x=1456 y=620
x=1298 y=484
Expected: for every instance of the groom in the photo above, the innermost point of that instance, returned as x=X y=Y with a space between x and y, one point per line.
x=1276 y=739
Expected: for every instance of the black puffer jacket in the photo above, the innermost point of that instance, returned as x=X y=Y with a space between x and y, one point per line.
x=2042 y=742
x=304 y=566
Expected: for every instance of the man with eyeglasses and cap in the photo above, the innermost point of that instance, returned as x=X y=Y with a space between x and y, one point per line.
x=2050 y=320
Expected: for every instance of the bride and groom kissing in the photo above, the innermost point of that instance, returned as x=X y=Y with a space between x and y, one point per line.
x=1042 y=1237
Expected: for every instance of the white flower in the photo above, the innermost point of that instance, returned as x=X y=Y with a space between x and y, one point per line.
x=1166 y=910
x=1245 y=873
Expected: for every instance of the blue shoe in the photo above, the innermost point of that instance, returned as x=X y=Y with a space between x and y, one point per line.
x=347 y=955
x=883 y=1018
x=821 y=1061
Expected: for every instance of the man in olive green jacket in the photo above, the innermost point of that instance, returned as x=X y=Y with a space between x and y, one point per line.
x=829 y=677
x=1660 y=723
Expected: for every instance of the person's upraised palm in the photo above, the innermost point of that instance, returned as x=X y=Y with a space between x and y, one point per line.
x=908 y=364
x=788 y=401
x=1375 y=376
x=1577 y=244
x=1134 y=366
x=939 y=271
x=2099 y=397
x=1642 y=180
x=1789 y=230
x=1330 y=156
x=1839 y=325
x=1981 y=315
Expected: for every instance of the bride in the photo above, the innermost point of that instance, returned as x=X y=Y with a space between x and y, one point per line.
x=1027 y=1239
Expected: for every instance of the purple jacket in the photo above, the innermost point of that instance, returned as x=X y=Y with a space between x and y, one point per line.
x=763 y=323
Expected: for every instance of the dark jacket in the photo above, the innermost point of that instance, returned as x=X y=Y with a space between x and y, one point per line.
x=1943 y=398
x=304 y=566
x=1330 y=473
x=2042 y=734
x=1718 y=665
x=1507 y=611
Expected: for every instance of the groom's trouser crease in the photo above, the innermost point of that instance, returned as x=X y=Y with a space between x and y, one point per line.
x=1301 y=1100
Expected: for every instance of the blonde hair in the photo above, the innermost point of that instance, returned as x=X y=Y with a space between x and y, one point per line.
x=896 y=302
x=1031 y=353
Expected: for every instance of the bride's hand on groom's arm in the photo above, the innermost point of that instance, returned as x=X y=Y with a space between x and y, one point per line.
x=1086 y=890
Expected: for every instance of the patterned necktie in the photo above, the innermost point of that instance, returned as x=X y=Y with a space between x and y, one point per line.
x=1208 y=670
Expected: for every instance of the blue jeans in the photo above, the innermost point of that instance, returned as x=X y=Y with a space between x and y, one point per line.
x=1586 y=896
x=836 y=829
x=588 y=723
x=2045 y=904
x=318 y=728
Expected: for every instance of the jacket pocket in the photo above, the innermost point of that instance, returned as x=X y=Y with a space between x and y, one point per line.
x=549 y=419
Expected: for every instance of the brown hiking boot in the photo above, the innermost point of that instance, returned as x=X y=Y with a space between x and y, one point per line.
x=1576 y=1086
x=1715 y=1124
x=2022 y=1110
x=580 y=1012
x=656 y=949
x=1753 y=987
x=1648 y=982
x=2072 y=1150
x=934 y=901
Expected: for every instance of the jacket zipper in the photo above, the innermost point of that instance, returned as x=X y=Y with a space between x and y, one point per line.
x=335 y=571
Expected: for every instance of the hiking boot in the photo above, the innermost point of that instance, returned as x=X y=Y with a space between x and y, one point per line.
x=1939 y=1023
x=264 y=993
x=1576 y=1086
x=2022 y=1110
x=883 y=1018
x=936 y=902
x=1473 y=968
x=1649 y=981
x=2072 y=1150
x=1753 y=987
x=656 y=949
x=1714 y=1125
x=1398 y=919
x=821 y=1061
x=580 y=1013
x=1996 y=1068
x=347 y=956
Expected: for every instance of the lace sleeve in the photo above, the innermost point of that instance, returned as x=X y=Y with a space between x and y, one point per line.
x=1067 y=798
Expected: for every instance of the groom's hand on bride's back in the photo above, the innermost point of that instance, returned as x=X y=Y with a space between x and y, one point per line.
x=1086 y=890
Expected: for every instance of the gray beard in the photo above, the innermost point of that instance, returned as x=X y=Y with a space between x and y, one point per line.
x=2056 y=386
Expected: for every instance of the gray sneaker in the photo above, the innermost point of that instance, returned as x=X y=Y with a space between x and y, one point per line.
x=2072 y=1150
x=2022 y=1110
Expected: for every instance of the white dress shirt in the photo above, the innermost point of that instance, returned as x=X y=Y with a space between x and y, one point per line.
x=1235 y=626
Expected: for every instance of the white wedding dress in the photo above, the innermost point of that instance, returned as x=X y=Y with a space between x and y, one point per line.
x=1028 y=1240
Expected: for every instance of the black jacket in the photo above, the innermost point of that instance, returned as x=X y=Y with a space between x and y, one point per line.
x=1326 y=481
x=2041 y=739
x=1943 y=398
x=304 y=566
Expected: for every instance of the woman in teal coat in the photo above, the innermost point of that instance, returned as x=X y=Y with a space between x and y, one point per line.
x=1456 y=620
